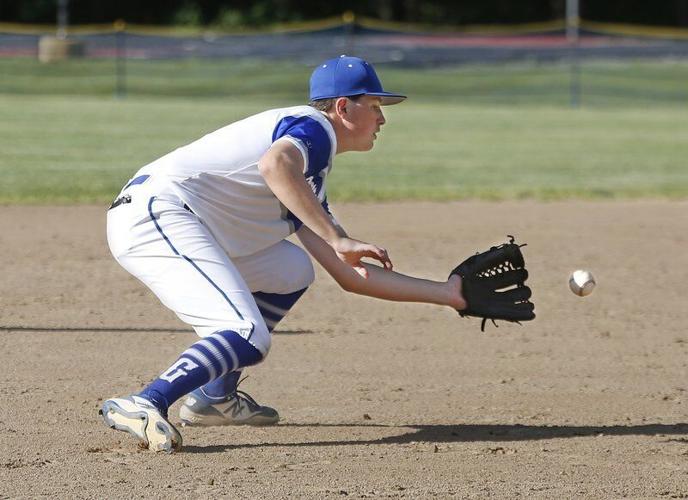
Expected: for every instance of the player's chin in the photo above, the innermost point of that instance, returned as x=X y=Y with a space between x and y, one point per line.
x=368 y=145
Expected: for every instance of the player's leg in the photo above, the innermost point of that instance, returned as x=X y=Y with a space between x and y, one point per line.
x=176 y=257
x=282 y=273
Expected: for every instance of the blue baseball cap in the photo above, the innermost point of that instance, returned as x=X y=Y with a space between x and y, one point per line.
x=346 y=76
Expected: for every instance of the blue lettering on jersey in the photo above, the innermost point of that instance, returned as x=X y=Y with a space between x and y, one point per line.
x=297 y=222
x=317 y=143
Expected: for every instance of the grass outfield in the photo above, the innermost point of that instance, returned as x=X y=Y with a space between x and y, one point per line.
x=83 y=149
x=608 y=83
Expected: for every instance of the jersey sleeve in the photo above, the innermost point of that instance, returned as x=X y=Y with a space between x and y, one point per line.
x=310 y=137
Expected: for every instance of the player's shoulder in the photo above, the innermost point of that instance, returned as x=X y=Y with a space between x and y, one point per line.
x=303 y=121
x=303 y=112
x=310 y=131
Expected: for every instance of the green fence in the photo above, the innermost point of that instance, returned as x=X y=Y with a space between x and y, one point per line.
x=610 y=65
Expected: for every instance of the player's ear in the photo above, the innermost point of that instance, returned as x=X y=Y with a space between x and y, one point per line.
x=340 y=105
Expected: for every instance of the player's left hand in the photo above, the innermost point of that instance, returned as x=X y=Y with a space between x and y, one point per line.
x=493 y=285
x=352 y=251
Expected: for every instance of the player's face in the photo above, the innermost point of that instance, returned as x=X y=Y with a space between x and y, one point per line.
x=365 y=119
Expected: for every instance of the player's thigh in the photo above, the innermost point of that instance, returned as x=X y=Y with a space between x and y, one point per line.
x=281 y=268
x=180 y=261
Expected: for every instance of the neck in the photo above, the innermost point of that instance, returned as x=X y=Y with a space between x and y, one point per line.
x=340 y=132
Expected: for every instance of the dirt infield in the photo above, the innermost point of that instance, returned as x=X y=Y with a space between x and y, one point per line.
x=377 y=399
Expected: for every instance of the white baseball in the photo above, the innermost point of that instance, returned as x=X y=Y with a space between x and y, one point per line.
x=582 y=282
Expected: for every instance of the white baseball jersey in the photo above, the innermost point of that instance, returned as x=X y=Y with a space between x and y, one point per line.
x=217 y=176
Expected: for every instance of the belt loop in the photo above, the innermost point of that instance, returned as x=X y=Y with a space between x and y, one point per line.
x=120 y=201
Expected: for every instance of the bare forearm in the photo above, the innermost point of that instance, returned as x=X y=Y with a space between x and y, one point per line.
x=383 y=283
x=390 y=285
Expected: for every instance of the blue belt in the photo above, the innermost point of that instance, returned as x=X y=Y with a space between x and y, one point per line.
x=124 y=199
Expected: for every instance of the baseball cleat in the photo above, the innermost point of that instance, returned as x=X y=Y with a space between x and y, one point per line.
x=141 y=419
x=238 y=409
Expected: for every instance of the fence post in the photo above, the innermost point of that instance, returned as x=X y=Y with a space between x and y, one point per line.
x=120 y=59
x=572 y=36
x=349 y=20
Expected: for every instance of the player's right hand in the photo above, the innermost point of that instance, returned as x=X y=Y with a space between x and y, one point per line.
x=352 y=251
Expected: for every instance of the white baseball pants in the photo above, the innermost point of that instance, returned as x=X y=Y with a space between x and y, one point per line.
x=168 y=248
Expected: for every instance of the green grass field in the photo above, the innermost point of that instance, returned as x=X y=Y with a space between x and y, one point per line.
x=68 y=149
x=484 y=133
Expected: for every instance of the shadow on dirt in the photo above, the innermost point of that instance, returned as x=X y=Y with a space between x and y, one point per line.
x=60 y=329
x=463 y=433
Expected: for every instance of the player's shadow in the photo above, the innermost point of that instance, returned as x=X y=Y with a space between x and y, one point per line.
x=120 y=329
x=459 y=433
x=91 y=329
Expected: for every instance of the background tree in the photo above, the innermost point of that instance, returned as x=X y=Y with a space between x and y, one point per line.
x=261 y=12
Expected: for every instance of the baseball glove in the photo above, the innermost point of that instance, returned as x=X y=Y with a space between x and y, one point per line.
x=483 y=276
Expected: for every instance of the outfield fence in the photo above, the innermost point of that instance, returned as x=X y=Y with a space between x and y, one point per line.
x=608 y=64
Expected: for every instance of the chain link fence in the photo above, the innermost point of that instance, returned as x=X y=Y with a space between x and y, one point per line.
x=531 y=63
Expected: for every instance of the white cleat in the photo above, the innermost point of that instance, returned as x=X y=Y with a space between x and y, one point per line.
x=238 y=409
x=141 y=419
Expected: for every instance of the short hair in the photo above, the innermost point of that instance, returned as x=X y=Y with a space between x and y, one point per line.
x=326 y=104
x=322 y=104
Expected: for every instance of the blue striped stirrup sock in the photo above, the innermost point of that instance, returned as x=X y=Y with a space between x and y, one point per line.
x=209 y=358
x=273 y=307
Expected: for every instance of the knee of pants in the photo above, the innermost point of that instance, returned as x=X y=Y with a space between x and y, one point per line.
x=261 y=339
x=255 y=332
x=296 y=275
x=282 y=268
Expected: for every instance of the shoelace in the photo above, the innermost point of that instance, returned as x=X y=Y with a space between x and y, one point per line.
x=246 y=398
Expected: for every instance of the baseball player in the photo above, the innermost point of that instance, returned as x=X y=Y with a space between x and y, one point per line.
x=204 y=228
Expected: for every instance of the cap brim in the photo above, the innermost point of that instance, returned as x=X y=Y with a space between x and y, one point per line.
x=387 y=98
